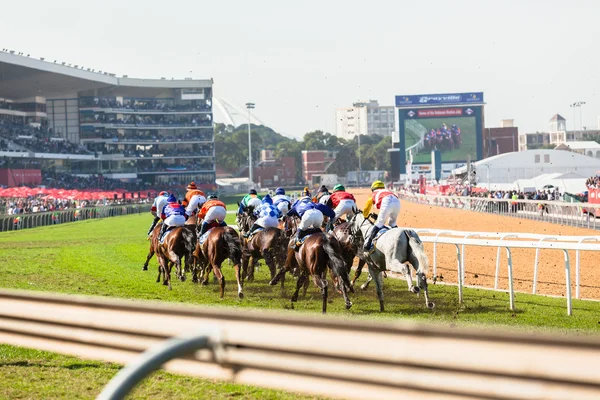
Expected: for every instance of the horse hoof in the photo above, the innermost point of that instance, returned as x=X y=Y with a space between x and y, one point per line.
x=241 y=295
x=182 y=278
x=430 y=305
x=348 y=305
x=363 y=287
x=415 y=289
x=204 y=283
x=145 y=268
x=273 y=283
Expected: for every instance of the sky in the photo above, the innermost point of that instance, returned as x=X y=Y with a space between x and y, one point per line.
x=299 y=61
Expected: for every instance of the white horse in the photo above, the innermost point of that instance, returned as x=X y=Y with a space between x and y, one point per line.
x=394 y=248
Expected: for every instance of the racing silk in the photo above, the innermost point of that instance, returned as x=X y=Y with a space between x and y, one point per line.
x=281 y=198
x=190 y=194
x=247 y=198
x=171 y=209
x=300 y=207
x=334 y=199
x=267 y=210
x=159 y=203
x=376 y=198
x=208 y=205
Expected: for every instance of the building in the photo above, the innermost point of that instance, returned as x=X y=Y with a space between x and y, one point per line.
x=587 y=148
x=529 y=164
x=504 y=139
x=556 y=135
x=272 y=171
x=155 y=131
x=365 y=118
x=316 y=162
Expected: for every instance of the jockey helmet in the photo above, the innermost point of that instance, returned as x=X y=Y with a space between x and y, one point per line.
x=377 y=185
x=172 y=198
x=279 y=191
x=323 y=189
x=191 y=186
x=306 y=192
x=252 y=191
x=339 y=188
x=267 y=200
x=163 y=193
x=212 y=197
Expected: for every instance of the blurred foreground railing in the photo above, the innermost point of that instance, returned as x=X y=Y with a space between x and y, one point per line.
x=321 y=355
x=24 y=221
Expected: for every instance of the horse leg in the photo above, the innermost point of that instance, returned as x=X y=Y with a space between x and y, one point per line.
x=205 y=273
x=220 y=278
x=240 y=281
x=177 y=262
x=361 y=264
x=303 y=277
x=365 y=285
x=409 y=280
x=253 y=262
x=305 y=288
x=421 y=281
x=376 y=275
x=245 y=261
x=322 y=284
x=270 y=261
x=148 y=257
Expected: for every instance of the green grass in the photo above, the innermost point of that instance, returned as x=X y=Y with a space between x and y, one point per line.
x=104 y=258
x=33 y=374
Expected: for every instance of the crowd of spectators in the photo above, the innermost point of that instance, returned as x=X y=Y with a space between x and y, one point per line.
x=39 y=204
x=67 y=181
x=35 y=139
x=136 y=136
x=148 y=120
x=593 y=182
x=146 y=105
x=158 y=152
x=193 y=165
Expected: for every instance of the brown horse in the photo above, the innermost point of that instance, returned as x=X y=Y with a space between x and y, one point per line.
x=221 y=243
x=179 y=242
x=268 y=244
x=313 y=257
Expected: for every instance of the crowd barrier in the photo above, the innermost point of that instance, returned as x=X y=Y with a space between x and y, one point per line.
x=25 y=221
x=574 y=214
x=324 y=355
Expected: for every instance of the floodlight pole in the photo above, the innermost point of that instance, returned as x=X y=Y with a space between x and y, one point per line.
x=250 y=106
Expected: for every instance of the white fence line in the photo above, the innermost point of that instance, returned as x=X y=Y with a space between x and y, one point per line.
x=574 y=214
x=508 y=245
x=323 y=356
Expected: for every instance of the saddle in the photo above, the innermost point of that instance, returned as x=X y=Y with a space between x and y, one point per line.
x=257 y=230
x=202 y=238
x=307 y=234
x=377 y=236
x=165 y=234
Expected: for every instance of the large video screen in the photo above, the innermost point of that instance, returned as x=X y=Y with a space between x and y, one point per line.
x=455 y=132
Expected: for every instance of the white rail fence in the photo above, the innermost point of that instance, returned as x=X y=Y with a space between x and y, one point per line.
x=574 y=214
x=313 y=355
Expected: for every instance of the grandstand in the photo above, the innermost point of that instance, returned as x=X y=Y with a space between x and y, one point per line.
x=73 y=120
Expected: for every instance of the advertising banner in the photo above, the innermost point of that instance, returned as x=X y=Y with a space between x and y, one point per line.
x=439 y=99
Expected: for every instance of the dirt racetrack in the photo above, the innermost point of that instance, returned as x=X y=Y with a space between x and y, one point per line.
x=480 y=262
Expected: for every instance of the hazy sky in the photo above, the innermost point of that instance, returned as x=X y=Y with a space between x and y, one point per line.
x=300 y=60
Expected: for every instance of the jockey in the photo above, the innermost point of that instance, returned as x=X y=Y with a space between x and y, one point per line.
x=214 y=210
x=281 y=201
x=322 y=195
x=311 y=216
x=195 y=203
x=159 y=202
x=342 y=202
x=192 y=191
x=388 y=205
x=173 y=214
x=247 y=200
x=268 y=216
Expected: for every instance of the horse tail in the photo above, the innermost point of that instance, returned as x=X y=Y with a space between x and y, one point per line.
x=336 y=263
x=416 y=246
x=233 y=246
x=189 y=239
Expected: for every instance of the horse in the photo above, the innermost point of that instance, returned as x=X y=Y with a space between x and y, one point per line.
x=269 y=244
x=393 y=249
x=314 y=256
x=222 y=242
x=180 y=242
x=350 y=245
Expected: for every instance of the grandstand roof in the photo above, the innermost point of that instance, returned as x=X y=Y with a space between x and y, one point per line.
x=24 y=77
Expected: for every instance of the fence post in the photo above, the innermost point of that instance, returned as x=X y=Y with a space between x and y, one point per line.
x=458 y=260
x=435 y=251
x=511 y=289
x=568 y=282
x=463 y=253
x=498 y=259
x=535 y=265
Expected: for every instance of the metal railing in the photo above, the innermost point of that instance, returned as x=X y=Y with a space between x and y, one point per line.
x=325 y=356
x=574 y=214
x=26 y=221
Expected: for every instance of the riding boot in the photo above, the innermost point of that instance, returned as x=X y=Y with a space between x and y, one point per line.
x=329 y=226
x=203 y=229
x=163 y=229
x=299 y=235
x=156 y=219
x=252 y=229
x=369 y=242
x=222 y=223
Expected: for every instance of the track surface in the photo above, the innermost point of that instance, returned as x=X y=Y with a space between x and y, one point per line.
x=480 y=262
